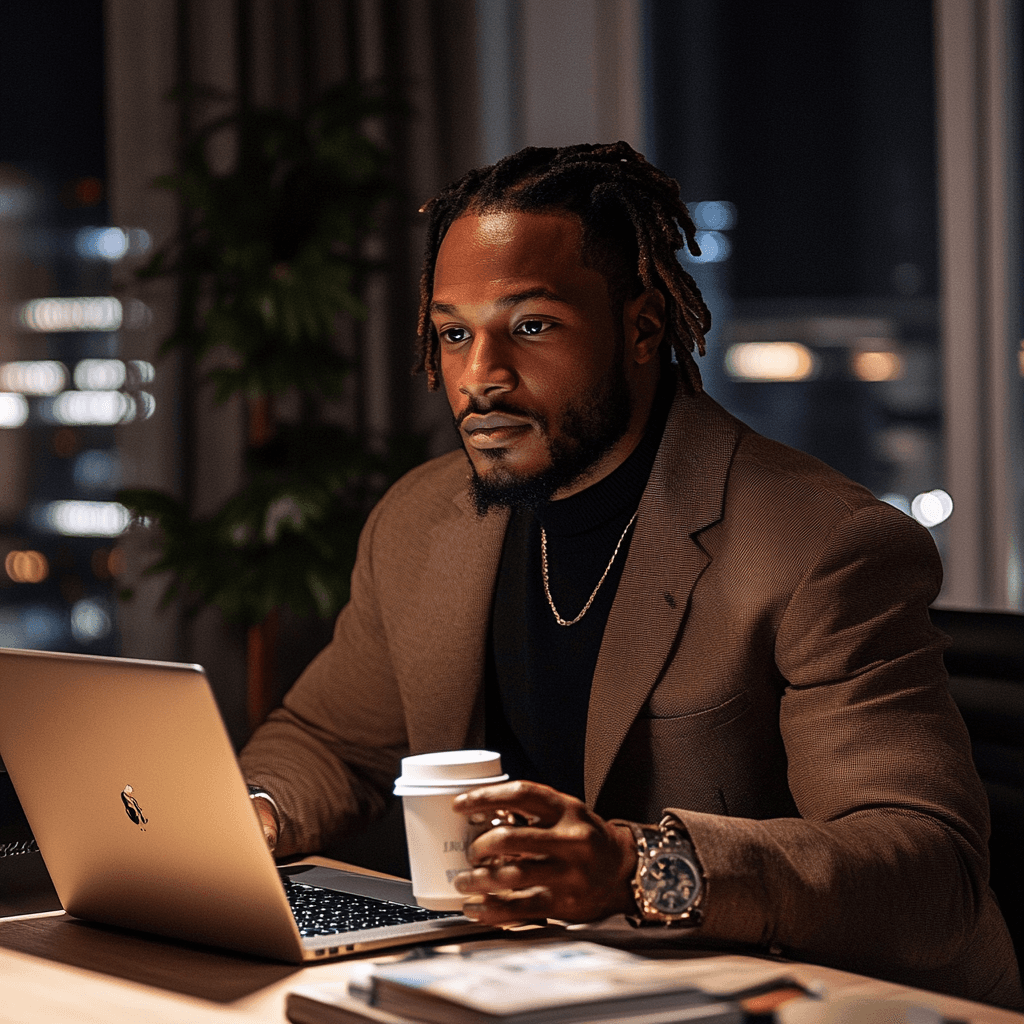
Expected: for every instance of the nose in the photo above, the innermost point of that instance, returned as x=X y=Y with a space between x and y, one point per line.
x=489 y=368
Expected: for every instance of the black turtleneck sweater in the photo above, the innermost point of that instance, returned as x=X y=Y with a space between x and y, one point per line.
x=537 y=686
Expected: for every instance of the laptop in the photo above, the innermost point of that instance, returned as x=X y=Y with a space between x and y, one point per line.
x=130 y=785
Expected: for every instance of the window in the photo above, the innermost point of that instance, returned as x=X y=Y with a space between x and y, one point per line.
x=861 y=247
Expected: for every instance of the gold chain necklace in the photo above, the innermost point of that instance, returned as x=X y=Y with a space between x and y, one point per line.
x=590 y=600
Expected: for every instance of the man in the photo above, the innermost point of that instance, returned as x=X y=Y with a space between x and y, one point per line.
x=684 y=639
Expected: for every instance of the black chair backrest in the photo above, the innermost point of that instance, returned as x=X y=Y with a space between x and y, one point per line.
x=986 y=670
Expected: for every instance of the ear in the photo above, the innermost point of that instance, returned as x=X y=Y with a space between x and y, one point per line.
x=643 y=323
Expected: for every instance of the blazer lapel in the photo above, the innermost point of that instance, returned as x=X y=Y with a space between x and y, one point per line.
x=445 y=674
x=684 y=495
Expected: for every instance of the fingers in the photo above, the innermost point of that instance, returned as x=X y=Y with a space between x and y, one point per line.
x=538 y=804
x=565 y=840
x=566 y=863
x=526 y=819
x=528 y=889
x=509 y=908
x=509 y=877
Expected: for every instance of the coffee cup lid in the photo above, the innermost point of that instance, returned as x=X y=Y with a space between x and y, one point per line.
x=456 y=768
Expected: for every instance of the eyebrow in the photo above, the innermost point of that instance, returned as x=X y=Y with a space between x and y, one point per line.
x=506 y=301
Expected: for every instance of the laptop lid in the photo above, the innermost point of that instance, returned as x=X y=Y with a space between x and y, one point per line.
x=128 y=780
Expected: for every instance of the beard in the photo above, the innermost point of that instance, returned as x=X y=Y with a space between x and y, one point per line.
x=589 y=429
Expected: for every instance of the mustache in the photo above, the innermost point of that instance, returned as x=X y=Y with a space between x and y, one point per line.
x=480 y=407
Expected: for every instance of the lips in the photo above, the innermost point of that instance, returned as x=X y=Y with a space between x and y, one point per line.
x=494 y=429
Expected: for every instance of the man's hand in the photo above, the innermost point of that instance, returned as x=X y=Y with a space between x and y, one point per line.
x=268 y=819
x=566 y=863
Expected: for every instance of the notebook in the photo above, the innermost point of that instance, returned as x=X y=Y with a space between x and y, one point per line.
x=131 y=788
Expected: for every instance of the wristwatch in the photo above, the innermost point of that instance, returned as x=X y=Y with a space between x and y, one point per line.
x=668 y=885
x=259 y=791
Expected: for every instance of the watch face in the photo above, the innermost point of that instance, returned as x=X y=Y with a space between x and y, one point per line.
x=670 y=883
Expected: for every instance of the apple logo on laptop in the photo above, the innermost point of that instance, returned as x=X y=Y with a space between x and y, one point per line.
x=132 y=808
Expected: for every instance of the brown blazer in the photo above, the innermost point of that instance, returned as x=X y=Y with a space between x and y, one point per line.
x=768 y=670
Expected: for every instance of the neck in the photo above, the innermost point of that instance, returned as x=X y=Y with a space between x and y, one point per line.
x=643 y=400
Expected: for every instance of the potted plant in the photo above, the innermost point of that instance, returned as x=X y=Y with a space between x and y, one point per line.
x=268 y=261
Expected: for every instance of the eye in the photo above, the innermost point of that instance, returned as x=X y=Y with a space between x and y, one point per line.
x=532 y=327
x=454 y=335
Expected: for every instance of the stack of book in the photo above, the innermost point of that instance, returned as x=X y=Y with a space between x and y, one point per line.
x=543 y=983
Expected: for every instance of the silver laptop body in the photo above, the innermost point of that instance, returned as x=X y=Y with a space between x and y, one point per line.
x=129 y=782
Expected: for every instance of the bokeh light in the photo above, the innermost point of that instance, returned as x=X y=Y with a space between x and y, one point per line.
x=876 y=365
x=13 y=410
x=33 y=377
x=89 y=408
x=110 y=244
x=26 y=566
x=100 y=374
x=770 y=361
x=83 y=518
x=103 y=313
x=932 y=507
x=90 y=620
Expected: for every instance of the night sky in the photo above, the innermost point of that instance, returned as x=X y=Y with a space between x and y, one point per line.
x=51 y=90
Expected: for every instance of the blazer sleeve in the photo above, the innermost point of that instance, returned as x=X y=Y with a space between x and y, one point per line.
x=329 y=754
x=886 y=869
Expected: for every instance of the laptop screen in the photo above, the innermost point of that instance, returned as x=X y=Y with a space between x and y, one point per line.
x=25 y=886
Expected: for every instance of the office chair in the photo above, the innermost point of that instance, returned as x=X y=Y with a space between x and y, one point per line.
x=986 y=670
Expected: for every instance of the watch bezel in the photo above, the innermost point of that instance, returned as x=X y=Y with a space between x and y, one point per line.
x=654 y=891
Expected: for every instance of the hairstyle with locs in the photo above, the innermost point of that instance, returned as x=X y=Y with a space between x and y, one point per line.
x=633 y=221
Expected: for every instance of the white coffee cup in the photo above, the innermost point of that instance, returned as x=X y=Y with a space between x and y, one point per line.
x=438 y=837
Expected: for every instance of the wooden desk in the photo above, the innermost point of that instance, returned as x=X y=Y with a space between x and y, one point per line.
x=56 y=969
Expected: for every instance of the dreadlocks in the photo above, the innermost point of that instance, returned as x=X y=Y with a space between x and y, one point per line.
x=631 y=214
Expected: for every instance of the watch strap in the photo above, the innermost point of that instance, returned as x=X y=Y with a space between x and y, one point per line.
x=258 y=791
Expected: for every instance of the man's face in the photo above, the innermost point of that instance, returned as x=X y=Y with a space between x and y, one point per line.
x=533 y=357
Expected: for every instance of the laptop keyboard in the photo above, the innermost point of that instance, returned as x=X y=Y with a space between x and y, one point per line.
x=18 y=847
x=326 y=912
